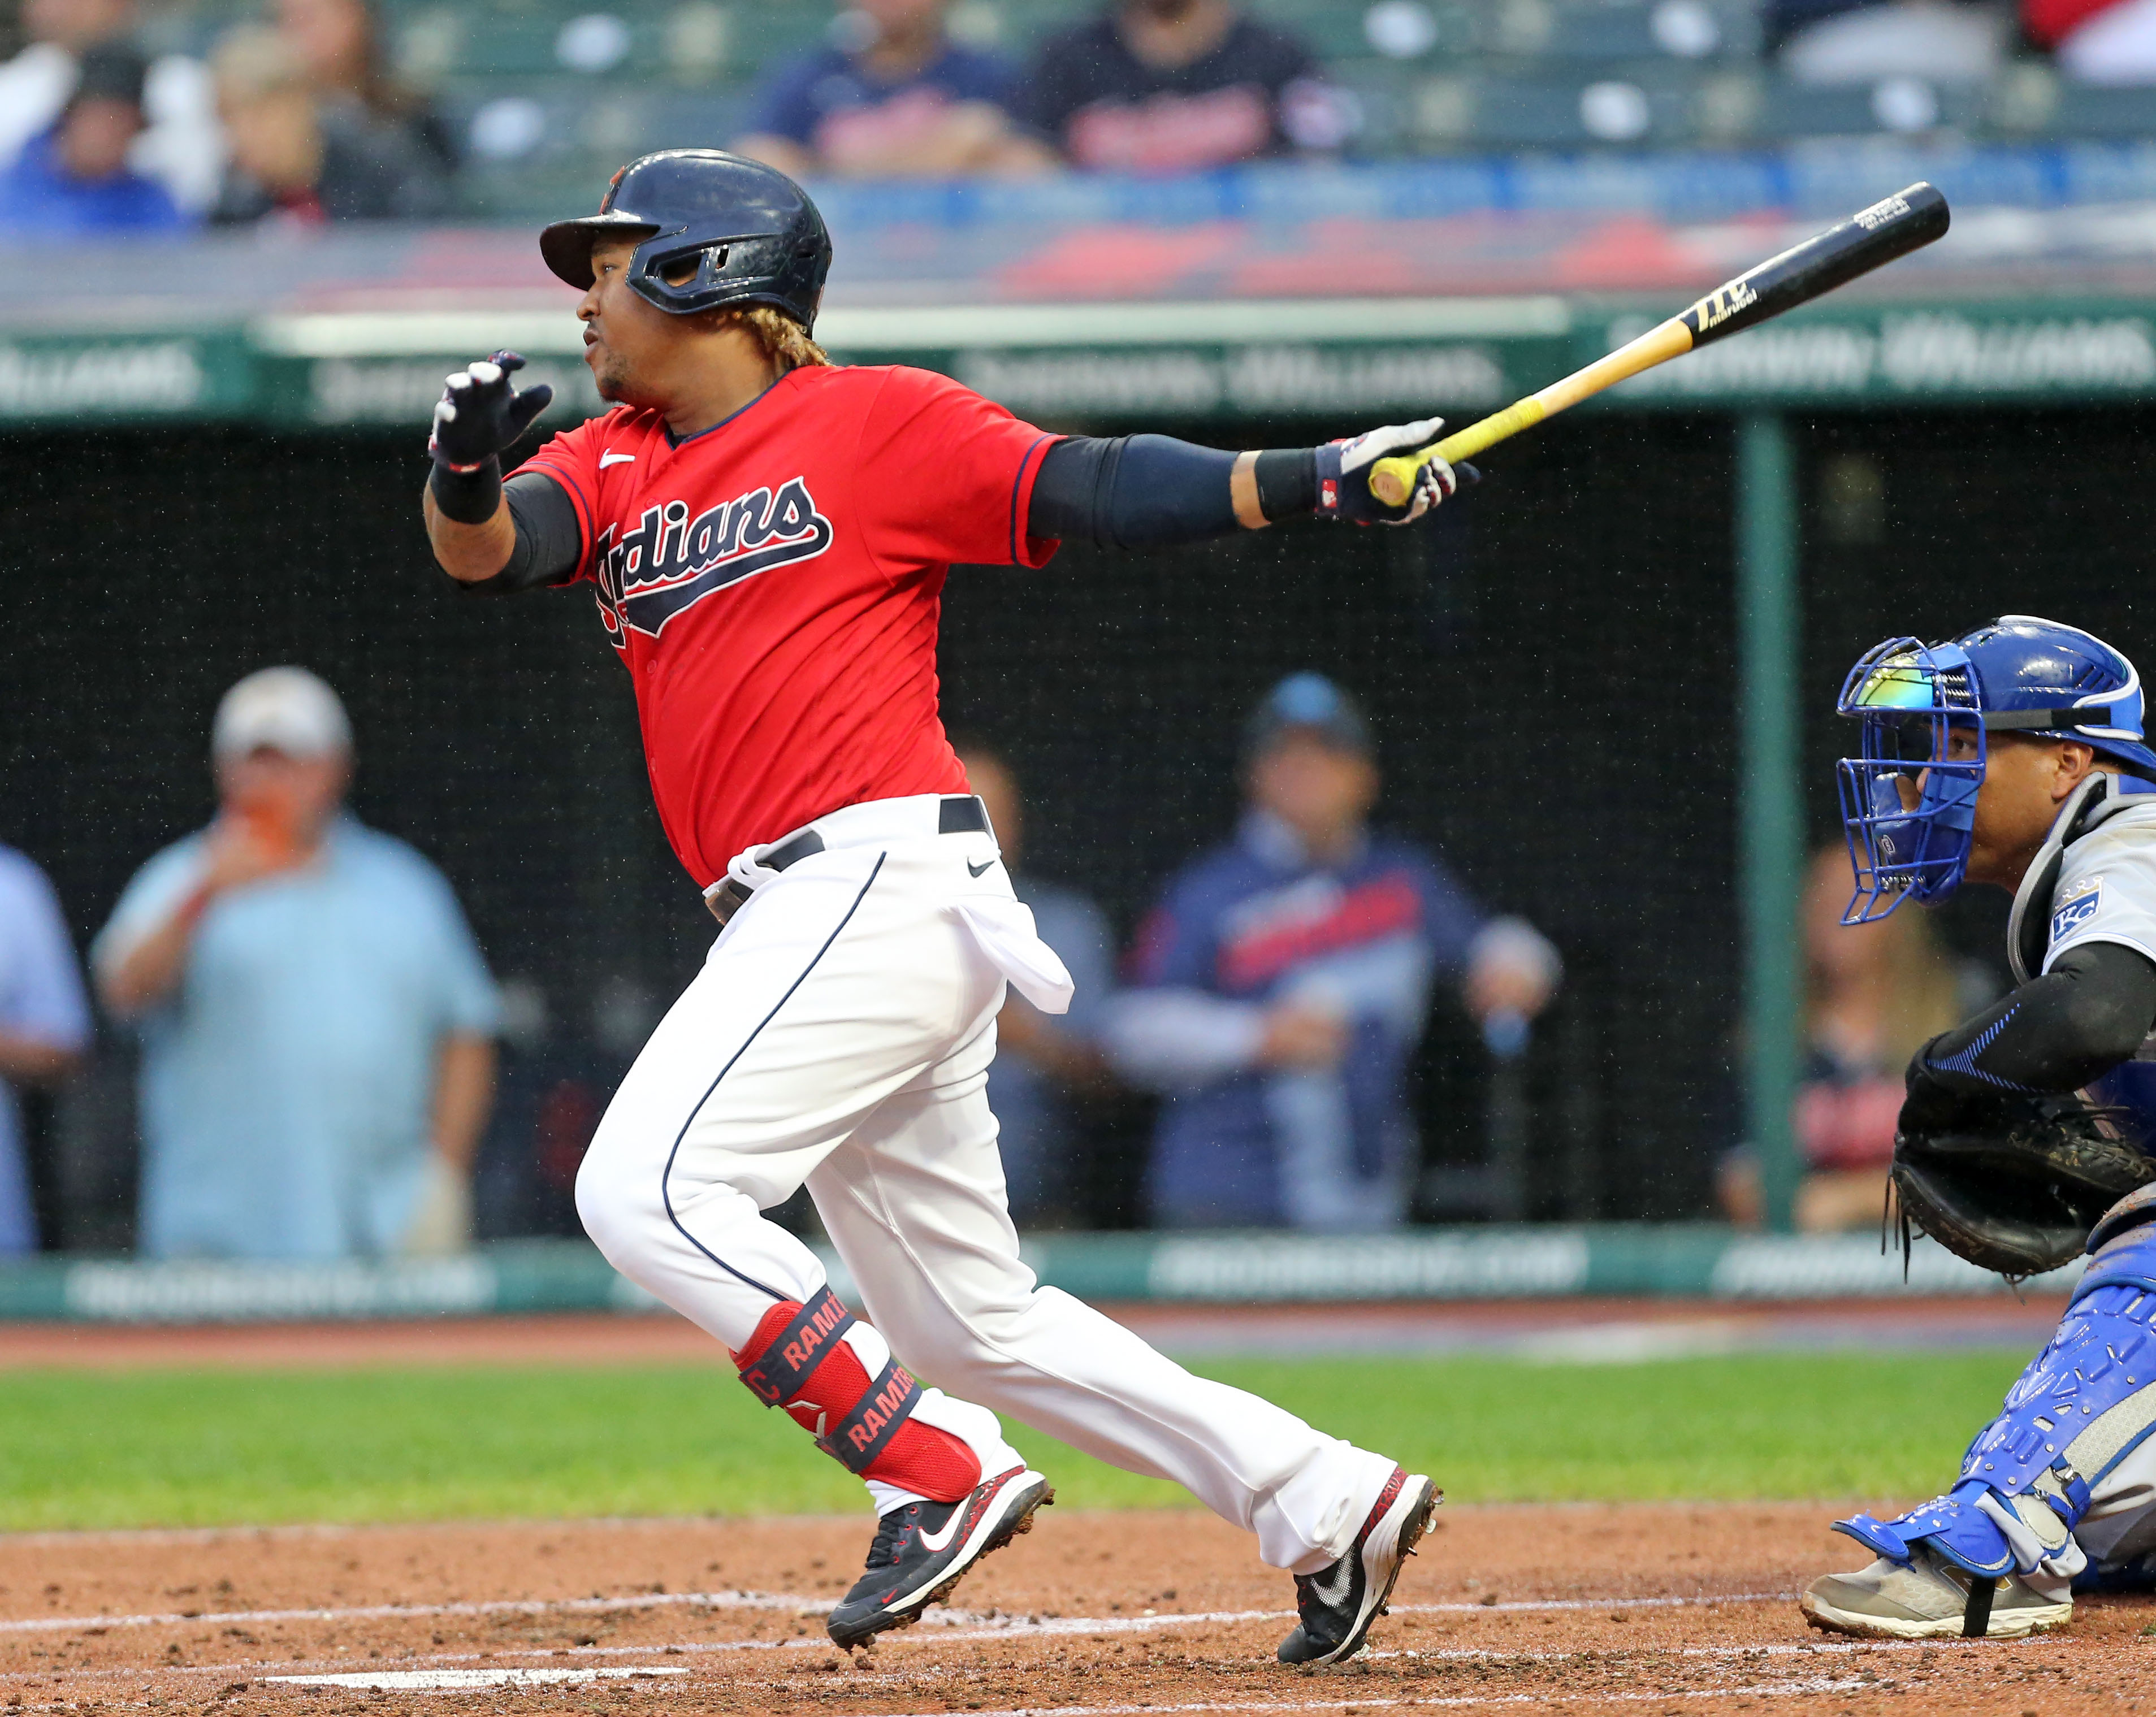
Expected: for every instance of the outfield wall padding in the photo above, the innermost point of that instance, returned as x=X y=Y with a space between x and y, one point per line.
x=1437 y=1264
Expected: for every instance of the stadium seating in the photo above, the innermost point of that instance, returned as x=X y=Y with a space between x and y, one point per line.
x=546 y=96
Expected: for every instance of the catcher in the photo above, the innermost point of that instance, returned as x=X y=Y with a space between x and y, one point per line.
x=2014 y=756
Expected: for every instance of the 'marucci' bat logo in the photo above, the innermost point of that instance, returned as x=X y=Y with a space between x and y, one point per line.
x=670 y=561
x=1719 y=305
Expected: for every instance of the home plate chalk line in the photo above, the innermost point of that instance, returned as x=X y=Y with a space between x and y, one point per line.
x=446 y=1680
x=808 y=1606
x=862 y=1678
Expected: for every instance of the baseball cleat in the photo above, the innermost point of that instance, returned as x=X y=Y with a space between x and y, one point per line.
x=1337 y=1604
x=924 y=1549
x=1927 y=1597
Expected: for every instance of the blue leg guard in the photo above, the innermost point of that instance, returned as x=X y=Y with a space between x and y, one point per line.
x=1953 y=1524
x=2083 y=1404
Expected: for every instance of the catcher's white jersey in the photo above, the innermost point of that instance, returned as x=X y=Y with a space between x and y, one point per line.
x=2107 y=887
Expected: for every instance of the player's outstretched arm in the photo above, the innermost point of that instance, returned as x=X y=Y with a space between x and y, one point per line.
x=473 y=527
x=1151 y=491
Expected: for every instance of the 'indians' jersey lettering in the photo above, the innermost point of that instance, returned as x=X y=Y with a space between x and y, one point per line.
x=670 y=561
x=774 y=584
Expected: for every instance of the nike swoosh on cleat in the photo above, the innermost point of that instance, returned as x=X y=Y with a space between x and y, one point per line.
x=1343 y=1582
x=941 y=1540
x=980 y=869
x=614 y=458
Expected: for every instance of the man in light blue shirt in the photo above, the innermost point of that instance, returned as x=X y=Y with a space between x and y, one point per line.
x=317 y=1023
x=44 y=1025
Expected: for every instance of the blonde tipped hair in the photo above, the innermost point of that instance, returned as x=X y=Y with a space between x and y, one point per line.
x=785 y=340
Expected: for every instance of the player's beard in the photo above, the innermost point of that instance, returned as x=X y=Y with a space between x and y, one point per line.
x=614 y=375
x=614 y=378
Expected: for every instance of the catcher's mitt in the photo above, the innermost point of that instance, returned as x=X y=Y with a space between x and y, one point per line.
x=2014 y=1184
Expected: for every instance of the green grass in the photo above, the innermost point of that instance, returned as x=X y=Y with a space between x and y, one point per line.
x=85 y=1449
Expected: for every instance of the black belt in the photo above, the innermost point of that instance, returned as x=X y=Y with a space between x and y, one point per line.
x=962 y=813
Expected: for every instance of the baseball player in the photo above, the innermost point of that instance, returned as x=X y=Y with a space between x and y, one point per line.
x=2015 y=755
x=768 y=536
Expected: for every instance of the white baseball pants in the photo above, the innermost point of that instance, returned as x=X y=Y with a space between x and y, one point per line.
x=840 y=1035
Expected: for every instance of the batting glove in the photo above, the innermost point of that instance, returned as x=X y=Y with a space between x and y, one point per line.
x=1343 y=482
x=479 y=414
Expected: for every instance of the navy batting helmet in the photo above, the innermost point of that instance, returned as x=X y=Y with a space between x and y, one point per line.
x=1908 y=808
x=710 y=229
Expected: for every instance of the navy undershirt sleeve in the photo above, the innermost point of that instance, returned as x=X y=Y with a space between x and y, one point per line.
x=1133 y=491
x=2078 y=1020
x=550 y=546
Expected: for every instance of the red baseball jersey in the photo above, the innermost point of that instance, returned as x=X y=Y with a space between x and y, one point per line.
x=774 y=584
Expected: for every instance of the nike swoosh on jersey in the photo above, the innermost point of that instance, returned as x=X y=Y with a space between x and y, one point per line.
x=615 y=458
x=941 y=1540
x=980 y=869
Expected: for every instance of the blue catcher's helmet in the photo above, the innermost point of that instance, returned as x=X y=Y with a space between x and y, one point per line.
x=1908 y=805
x=710 y=229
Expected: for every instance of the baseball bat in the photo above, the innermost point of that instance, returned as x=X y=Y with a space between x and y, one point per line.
x=1888 y=230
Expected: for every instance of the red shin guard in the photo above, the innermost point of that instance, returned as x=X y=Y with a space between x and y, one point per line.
x=799 y=1359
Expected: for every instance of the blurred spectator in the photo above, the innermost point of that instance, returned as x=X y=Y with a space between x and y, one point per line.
x=339 y=45
x=1043 y=1062
x=1874 y=994
x=1829 y=43
x=901 y=98
x=303 y=159
x=180 y=147
x=317 y=1025
x=1284 y=981
x=2096 y=41
x=1168 y=86
x=44 y=1026
x=74 y=178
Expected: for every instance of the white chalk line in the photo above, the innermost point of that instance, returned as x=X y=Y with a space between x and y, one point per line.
x=383 y=1612
x=857 y=1675
x=805 y=1606
x=451 y=1680
x=1507 y=1607
x=1363 y=1703
x=1498 y=1654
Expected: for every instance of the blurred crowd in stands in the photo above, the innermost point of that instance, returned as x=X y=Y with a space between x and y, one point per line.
x=1874 y=995
x=299 y=116
x=294 y=117
x=325 y=1069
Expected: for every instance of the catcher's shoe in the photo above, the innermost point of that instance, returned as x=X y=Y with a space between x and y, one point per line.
x=924 y=1549
x=1927 y=1598
x=1338 y=1603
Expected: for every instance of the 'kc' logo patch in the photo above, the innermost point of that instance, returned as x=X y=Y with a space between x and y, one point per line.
x=670 y=561
x=2078 y=911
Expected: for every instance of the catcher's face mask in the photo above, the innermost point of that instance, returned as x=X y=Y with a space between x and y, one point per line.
x=1909 y=802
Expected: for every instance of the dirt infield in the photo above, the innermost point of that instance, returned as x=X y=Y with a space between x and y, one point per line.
x=1585 y=1609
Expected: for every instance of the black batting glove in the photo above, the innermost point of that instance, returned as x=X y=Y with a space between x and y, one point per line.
x=479 y=414
x=1343 y=478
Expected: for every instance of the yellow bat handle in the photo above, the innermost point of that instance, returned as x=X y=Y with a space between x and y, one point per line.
x=1391 y=480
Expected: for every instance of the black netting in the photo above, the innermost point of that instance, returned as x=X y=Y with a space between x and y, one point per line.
x=1549 y=669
